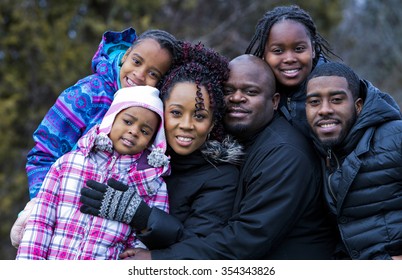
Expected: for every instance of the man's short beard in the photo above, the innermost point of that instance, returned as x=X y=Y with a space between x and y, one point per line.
x=329 y=144
x=338 y=142
x=237 y=130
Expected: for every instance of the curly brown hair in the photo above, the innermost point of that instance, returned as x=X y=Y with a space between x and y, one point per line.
x=206 y=68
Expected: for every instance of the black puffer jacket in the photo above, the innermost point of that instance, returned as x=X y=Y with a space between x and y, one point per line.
x=364 y=185
x=202 y=188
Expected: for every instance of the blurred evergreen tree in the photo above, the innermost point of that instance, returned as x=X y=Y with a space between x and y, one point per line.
x=228 y=26
x=371 y=42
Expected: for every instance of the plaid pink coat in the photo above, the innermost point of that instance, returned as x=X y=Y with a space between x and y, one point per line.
x=57 y=229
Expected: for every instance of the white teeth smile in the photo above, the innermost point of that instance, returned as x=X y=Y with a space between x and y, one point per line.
x=290 y=71
x=184 y=139
x=130 y=83
x=327 y=125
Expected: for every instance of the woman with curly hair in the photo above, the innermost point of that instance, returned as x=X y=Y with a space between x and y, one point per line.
x=204 y=159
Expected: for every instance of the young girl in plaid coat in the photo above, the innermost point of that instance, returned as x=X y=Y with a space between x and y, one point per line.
x=127 y=146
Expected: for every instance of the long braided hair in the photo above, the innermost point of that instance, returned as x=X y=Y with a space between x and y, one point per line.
x=295 y=13
x=206 y=68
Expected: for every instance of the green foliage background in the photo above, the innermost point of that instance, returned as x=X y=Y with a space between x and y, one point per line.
x=47 y=45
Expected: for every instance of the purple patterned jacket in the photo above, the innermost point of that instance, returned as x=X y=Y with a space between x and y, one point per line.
x=78 y=108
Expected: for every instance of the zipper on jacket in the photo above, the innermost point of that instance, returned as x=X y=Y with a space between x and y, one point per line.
x=288 y=103
x=328 y=159
x=328 y=162
x=112 y=162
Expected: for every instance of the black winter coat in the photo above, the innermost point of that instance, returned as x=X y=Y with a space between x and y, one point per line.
x=201 y=188
x=278 y=210
x=364 y=190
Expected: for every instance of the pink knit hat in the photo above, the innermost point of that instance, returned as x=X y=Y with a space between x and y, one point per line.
x=139 y=96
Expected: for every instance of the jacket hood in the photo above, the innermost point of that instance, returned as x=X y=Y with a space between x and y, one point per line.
x=139 y=96
x=113 y=44
x=378 y=108
x=94 y=140
x=106 y=61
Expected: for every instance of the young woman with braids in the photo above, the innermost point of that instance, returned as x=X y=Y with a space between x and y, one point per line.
x=202 y=184
x=286 y=38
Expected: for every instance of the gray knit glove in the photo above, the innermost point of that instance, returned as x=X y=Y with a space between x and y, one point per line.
x=114 y=201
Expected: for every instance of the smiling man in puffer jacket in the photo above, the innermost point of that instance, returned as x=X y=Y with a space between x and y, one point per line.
x=358 y=131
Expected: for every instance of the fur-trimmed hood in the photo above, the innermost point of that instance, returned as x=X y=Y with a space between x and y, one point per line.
x=227 y=151
x=214 y=152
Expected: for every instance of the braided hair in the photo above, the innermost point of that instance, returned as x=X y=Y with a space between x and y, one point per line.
x=206 y=68
x=295 y=13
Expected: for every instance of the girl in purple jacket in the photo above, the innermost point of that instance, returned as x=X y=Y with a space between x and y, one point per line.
x=122 y=60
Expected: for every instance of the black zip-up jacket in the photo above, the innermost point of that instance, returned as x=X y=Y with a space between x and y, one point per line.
x=201 y=188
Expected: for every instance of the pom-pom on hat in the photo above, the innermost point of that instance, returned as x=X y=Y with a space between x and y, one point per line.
x=138 y=96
